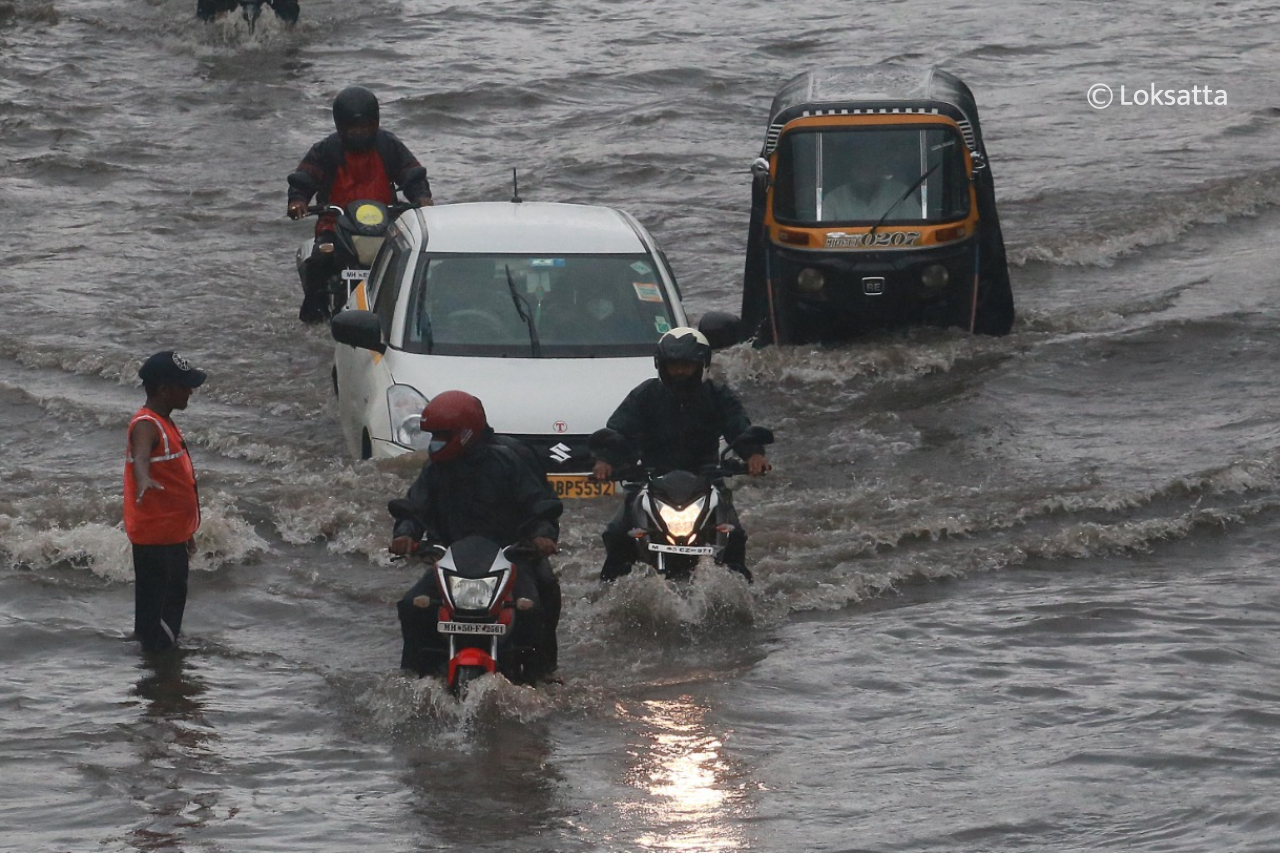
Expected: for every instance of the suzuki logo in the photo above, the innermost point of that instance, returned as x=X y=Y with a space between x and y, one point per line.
x=560 y=426
x=561 y=453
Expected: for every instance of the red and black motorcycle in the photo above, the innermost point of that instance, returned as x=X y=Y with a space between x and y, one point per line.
x=482 y=625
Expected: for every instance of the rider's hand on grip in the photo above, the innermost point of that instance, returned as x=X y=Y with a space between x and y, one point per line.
x=758 y=464
x=602 y=471
x=403 y=545
x=297 y=209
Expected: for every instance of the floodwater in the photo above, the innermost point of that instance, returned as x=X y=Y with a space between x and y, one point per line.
x=1011 y=594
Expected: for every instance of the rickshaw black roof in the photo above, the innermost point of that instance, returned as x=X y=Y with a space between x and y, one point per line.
x=856 y=89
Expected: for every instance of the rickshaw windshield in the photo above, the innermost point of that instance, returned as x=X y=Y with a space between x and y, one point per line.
x=548 y=306
x=862 y=175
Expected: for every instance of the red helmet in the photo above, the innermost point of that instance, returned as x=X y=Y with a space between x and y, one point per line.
x=455 y=420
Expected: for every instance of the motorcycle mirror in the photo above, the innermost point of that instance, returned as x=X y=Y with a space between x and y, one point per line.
x=757 y=435
x=607 y=442
x=403 y=509
x=303 y=182
x=520 y=553
x=760 y=168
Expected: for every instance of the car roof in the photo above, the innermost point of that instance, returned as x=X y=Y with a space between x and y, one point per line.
x=499 y=227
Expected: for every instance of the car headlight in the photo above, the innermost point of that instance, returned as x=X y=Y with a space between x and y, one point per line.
x=680 y=522
x=935 y=276
x=471 y=593
x=404 y=406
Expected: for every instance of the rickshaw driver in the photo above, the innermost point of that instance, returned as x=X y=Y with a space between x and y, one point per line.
x=869 y=185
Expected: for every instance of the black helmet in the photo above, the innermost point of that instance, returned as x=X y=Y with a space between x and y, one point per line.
x=685 y=345
x=355 y=105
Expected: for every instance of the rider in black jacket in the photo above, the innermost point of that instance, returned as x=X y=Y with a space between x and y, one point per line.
x=475 y=485
x=676 y=421
x=358 y=161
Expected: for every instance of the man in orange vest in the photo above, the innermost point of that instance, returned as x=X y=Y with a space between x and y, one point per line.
x=161 y=507
x=359 y=161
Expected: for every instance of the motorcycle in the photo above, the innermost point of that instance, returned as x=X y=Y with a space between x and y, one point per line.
x=480 y=616
x=679 y=517
x=360 y=228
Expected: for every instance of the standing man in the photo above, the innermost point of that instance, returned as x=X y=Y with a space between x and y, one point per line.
x=358 y=161
x=161 y=507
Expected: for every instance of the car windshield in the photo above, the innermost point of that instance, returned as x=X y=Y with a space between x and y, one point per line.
x=531 y=306
x=866 y=175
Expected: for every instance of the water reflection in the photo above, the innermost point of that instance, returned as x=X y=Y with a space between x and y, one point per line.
x=694 y=800
x=495 y=782
x=175 y=742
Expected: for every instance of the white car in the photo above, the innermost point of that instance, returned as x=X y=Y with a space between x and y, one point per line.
x=549 y=313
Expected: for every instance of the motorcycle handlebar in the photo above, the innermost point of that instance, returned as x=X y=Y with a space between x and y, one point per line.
x=395 y=208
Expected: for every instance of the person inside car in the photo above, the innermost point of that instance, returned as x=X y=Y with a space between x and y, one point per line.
x=359 y=161
x=676 y=421
x=475 y=484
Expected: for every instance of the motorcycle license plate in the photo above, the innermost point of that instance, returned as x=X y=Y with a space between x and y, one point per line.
x=489 y=628
x=700 y=550
x=580 y=486
x=355 y=275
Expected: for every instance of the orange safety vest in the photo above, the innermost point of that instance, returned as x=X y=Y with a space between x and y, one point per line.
x=168 y=517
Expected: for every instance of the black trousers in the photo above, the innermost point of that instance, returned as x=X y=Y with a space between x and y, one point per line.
x=159 y=594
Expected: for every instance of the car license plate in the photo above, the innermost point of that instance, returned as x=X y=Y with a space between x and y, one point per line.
x=701 y=550
x=355 y=275
x=580 y=486
x=471 y=628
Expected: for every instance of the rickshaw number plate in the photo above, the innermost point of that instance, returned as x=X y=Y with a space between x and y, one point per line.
x=701 y=550
x=580 y=486
x=471 y=628
x=355 y=275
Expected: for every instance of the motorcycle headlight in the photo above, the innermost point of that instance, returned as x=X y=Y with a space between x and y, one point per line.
x=404 y=406
x=680 y=522
x=471 y=593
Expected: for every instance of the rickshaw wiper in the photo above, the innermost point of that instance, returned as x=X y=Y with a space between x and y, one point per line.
x=522 y=308
x=920 y=180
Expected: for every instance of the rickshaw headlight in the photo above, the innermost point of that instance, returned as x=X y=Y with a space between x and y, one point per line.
x=810 y=281
x=935 y=276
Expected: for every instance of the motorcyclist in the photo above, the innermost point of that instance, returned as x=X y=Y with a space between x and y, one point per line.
x=475 y=484
x=286 y=10
x=358 y=161
x=676 y=421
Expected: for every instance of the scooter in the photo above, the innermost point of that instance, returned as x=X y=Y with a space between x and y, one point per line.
x=679 y=517
x=360 y=229
x=479 y=615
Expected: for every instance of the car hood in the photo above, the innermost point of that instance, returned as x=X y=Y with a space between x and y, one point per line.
x=529 y=396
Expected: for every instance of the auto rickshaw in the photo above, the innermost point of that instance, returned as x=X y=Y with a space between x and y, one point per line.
x=873 y=206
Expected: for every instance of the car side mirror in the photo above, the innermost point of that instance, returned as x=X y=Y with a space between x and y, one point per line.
x=360 y=329
x=721 y=329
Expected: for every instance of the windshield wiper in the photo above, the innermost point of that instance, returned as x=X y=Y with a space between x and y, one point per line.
x=920 y=180
x=522 y=308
